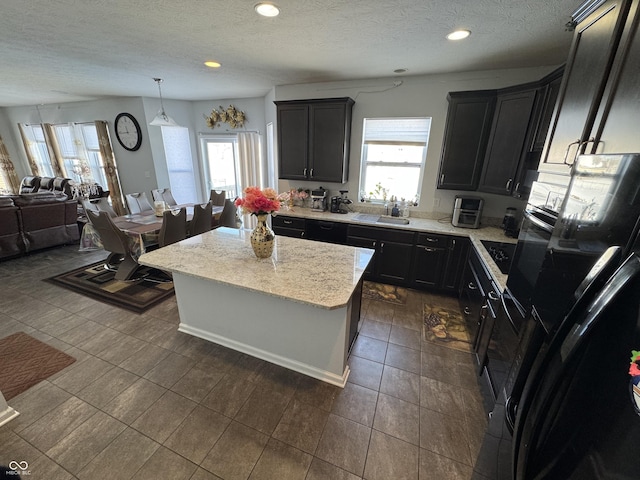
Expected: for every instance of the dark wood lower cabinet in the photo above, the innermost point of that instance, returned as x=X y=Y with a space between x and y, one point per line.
x=429 y=266
x=402 y=257
x=394 y=262
x=439 y=262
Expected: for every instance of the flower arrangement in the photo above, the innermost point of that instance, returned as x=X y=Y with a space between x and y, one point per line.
x=258 y=202
x=298 y=195
x=235 y=118
x=634 y=371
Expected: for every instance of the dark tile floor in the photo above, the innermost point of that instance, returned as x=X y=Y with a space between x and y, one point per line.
x=145 y=401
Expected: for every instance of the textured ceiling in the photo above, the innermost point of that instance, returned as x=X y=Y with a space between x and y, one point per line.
x=70 y=50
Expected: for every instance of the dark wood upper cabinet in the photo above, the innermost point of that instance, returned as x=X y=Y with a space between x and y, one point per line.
x=314 y=138
x=617 y=120
x=465 y=139
x=511 y=120
x=595 y=42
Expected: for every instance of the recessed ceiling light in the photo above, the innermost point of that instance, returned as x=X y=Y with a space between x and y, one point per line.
x=267 y=9
x=458 y=35
x=212 y=64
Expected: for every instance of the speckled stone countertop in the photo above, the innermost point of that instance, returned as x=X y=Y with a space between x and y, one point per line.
x=423 y=225
x=320 y=274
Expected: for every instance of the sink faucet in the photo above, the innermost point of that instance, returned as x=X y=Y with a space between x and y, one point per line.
x=386 y=208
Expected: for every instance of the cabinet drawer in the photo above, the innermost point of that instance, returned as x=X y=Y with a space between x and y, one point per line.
x=288 y=222
x=362 y=232
x=432 y=240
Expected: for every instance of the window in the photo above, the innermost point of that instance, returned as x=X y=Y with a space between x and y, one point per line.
x=38 y=149
x=177 y=150
x=80 y=152
x=220 y=154
x=394 y=151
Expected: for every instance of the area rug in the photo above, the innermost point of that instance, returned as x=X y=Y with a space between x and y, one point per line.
x=385 y=293
x=445 y=326
x=100 y=284
x=26 y=361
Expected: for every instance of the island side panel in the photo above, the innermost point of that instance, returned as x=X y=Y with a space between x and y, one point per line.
x=310 y=340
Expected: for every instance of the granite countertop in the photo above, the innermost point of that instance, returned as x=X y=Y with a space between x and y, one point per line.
x=320 y=274
x=423 y=225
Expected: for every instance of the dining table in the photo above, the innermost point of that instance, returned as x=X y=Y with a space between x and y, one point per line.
x=143 y=228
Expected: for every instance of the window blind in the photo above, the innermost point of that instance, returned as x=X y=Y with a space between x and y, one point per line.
x=413 y=131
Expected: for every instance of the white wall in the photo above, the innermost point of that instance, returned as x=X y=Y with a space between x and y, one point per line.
x=146 y=169
x=424 y=95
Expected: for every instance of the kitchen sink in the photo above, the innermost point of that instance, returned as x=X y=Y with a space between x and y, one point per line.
x=393 y=220
x=370 y=218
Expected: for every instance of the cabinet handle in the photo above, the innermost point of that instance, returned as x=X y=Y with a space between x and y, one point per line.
x=381 y=247
x=302 y=234
x=431 y=240
x=428 y=249
x=591 y=140
x=287 y=222
x=441 y=179
x=305 y=172
x=374 y=244
x=452 y=246
x=311 y=173
x=467 y=311
x=517 y=187
x=508 y=186
x=566 y=153
x=472 y=286
x=493 y=296
x=484 y=310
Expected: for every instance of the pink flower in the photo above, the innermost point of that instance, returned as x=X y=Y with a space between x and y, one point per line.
x=634 y=371
x=258 y=201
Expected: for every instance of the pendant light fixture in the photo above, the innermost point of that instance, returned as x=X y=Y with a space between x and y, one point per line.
x=162 y=119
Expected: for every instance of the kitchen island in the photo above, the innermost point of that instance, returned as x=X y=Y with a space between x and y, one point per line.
x=298 y=309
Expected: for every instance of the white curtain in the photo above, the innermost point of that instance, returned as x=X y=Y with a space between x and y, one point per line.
x=251 y=167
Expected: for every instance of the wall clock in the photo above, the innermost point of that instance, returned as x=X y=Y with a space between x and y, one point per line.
x=128 y=131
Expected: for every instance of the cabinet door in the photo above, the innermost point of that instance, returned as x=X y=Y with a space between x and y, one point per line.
x=619 y=116
x=457 y=253
x=394 y=261
x=429 y=266
x=293 y=134
x=594 y=44
x=549 y=99
x=328 y=142
x=507 y=141
x=355 y=241
x=465 y=139
x=471 y=300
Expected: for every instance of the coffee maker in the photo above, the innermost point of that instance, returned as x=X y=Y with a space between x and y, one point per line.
x=510 y=223
x=319 y=200
x=339 y=204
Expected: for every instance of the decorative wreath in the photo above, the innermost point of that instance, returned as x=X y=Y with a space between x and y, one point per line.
x=235 y=118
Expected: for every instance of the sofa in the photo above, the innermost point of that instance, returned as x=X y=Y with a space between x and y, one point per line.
x=33 y=221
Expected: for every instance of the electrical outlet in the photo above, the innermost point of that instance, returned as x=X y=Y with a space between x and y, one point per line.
x=436 y=202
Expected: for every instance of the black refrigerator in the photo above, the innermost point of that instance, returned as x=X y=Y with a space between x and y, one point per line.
x=579 y=415
x=543 y=423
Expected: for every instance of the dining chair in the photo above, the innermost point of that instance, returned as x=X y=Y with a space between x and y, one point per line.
x=218 y=198
x=174 y=227
x=117 y=242
x=201 y=221
x=88 y=206
x=138 y=203
x=163 y=195
x=228 y=217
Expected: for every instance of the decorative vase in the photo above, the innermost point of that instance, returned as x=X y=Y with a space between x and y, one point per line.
x=262 y=238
